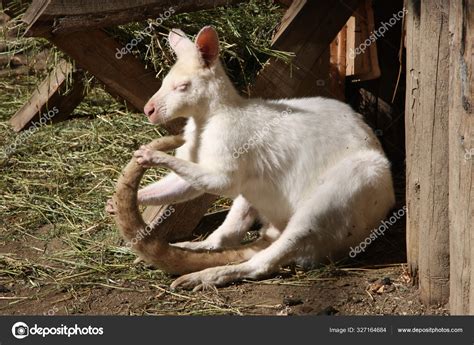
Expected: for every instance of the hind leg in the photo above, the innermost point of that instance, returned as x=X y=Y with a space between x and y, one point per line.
x=262 y=263
x=238 y=221
x=355 y=195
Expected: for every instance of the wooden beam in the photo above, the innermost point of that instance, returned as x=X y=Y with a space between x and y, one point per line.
x=413 y=139
x=337 y=65
x=63 y=89
x=95 y=51
x=364 y=65
x=461 y=157
x=433 y=157
x=57 y=16
x=308 y=30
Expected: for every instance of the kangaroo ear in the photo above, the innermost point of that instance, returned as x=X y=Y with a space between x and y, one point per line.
x=179 y=42
x=207 y=42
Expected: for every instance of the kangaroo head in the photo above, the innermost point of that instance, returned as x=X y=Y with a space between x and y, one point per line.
x=193 y=82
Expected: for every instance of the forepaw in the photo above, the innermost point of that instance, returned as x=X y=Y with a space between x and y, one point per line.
x=147 y=157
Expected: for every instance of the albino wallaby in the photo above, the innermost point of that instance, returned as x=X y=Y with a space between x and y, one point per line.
x=309 y=168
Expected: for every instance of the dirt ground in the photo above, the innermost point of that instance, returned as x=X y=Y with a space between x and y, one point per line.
x=338 y=292
x=349 y=288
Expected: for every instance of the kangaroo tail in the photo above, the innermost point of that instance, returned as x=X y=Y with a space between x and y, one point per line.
x=153 y=249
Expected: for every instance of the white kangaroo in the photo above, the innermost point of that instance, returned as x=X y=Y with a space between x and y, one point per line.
x=309 y=168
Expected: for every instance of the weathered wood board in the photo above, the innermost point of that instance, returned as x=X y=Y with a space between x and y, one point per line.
x=362 y=59
x=433 y=157
x=46 y=17
x=427 y=119
x=54 y=91
x=461 y=157
x=412 y=137
x=307 y=31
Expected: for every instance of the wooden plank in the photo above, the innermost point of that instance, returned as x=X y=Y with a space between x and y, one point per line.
x=288 y=17
x=461 y=157
x=126 y=77
x=365 y=65
x=313 y=27
x=433 y=154
x=57 y=16
x=52 y=92
x=337 y=65
x=413 y=139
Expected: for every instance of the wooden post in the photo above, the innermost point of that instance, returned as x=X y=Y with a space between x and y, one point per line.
x=52 y=92
x=308 y=29
x=413 y=140
x=461 y=157
x=364 y=65
x=432 y=153
x=126 y=77
x=337 y=65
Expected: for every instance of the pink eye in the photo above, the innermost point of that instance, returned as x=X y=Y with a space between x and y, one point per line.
x=182 y=87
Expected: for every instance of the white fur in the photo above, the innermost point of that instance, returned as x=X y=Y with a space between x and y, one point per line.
x=318 y=178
